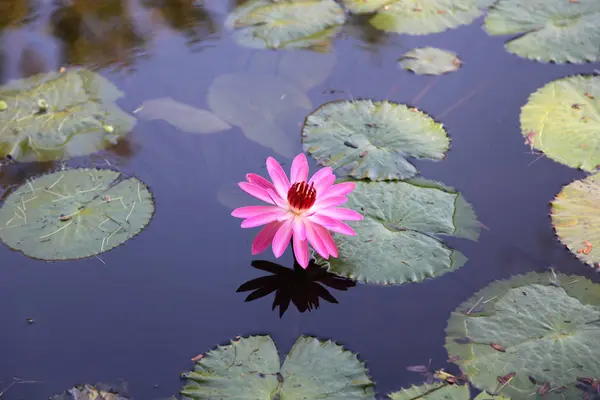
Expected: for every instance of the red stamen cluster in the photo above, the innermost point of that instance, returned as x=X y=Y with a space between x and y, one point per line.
x=301 y=197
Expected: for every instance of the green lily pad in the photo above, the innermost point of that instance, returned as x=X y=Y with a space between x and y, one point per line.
x=57 y=116
x=422 y=17
x=365 y=6
x=395 y=242
x=562 y=119
x=88 y=392
x=576 y=218
x=372 y=139
x=486 y=396
x=433 y=391
x=74 y=213
x=430 y=61
x=540 y=325
x=289 y=24
x=249 y=368
x=548 y=30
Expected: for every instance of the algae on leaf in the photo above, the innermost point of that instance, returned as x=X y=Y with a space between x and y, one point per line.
x=60 y=115
x=540 y=325
x=430 y=61
x=289 y=24
x=75 y=213
x=395 y=242
x=372 y=139
x=576 y=218
x=249 y=368
x=434 y=391
x=549 y=30
x=562 y=119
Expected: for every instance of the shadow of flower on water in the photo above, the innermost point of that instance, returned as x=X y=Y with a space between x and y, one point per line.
x=303 y=287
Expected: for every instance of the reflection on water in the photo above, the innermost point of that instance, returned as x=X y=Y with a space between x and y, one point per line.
x=303 y=287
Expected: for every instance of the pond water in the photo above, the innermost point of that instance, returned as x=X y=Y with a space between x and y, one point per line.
x=143 y=310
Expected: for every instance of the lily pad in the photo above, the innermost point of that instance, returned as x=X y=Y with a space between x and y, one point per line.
x=372 y=139
x=430 y=61
x=57 y=116
x=365 y=6
x=249 y=368
x=541 y=325
x=289 y=24
x=576 y=218
x=89 y=392
x=562 y=119
x=395 y=242
x=182 y=116
x=422 y=17
x=434 y=391
x=549 y=30
x=74 y=213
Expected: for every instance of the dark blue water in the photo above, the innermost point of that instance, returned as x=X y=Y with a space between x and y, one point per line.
x=170 y=293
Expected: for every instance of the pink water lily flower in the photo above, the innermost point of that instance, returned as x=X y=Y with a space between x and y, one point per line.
x=301 y=210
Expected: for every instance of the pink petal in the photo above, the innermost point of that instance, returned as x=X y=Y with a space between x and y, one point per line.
x=328 y=202
x=323 y=179
x=251 y=211
x=341 y=214
x=299 y=171
x=262 y=219
x=332 y=224
x=342 y=228
x=341 y=189
x=256 y=191
x=277 y=199
x=327 y=240
x=282 y=238
x=278 y=176
x=301 y=251
x=264 y=237
x=299 y=228
x=315 y=240
x=259 y=181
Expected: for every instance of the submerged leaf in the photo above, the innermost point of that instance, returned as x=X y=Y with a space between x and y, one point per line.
x=548 y=332
x=430 y=61
x=434 y=391
x=57 y=116
x=88 y=392
x=549 y=30
x=395 y=242
x=562 y=119
x=576 y=218
x=182 y=116
x=249 y=368
x=367 y=139
x=75 y=213
x=294 y=24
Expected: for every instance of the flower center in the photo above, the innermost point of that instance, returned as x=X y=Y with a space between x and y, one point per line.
x=301 y=197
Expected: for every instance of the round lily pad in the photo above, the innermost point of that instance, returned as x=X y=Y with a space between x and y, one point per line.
x=562 y=119
x=294 y=24
x=548 y=30
x=433 y=391
x=576 y=218
x=74 y=213
x=422 y=17
x=430 y=61
x=56 y=116
x=249 y=368
x=544 y=327
x=395 y=242
x=372 y=139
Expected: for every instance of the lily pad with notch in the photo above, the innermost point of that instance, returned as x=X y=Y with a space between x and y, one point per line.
x=55 y=116
x=430 y=61
x=548 y=30
x=250 y=368
x=75 y=213
x=396 y=241
x=372 y=139
x=433 y=391
x=543 y=327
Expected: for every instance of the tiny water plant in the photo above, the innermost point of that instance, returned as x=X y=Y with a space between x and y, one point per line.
x=301 y=210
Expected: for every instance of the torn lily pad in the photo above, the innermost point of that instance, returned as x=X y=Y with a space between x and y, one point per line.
x=396 y=241
x=433 y=391
x=56 y=116
x=74 y=213
x=430 y=61
x=89 y=392
x=543 y=327
x=548 y=30
x=372 y=139
x=562 y=119
x=250 y=368
x=289 y=24
x=576 y=218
